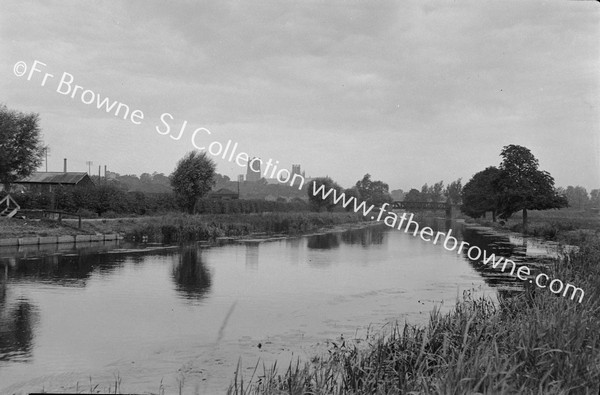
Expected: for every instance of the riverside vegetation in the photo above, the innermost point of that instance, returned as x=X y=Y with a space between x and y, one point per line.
x=533 y=342
x=178 y=227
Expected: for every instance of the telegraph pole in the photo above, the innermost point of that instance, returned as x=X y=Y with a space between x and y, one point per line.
x=46 y=149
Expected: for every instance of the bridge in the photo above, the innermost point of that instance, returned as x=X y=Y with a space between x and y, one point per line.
x=420 y=205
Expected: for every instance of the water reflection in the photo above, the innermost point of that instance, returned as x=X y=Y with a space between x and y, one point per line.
x=252 y=255
x=499 y=245
x=72 y=269
x=192 y=278
x=17 y=321
x=326 y=241
x=492 y=243
x=364 y=237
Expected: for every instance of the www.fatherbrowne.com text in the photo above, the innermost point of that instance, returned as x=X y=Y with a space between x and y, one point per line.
x=450 y=243
x=66 y=86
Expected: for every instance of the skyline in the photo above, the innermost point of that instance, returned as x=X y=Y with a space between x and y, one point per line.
x=411 y=95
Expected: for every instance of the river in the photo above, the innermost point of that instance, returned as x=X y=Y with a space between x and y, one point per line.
x=73 y=318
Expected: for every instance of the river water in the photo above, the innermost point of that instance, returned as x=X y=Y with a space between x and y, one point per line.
x=73 y=318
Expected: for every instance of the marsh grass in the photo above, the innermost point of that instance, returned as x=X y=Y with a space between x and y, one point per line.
x=532 y=343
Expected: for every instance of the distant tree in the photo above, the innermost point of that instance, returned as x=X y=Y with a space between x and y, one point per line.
x=479 y=194
x=373 y=192
x=577 y=197
x=521 y=186
x=453 y=192
x=145 y=178
x=413 y=196
x=160 y=178
x=105 y=197
x=398 y=194
x=193 y=178
x=316 y=201
x=435 y=191
x=595 y=197
x=351 y=193
x=21 y=148
x=425 y=193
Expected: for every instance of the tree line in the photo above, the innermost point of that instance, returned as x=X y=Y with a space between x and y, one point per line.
x=517 y=184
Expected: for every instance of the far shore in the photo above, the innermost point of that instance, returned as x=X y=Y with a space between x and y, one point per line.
x=160 y=228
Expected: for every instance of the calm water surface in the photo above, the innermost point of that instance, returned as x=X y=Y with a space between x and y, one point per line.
x=188 y=314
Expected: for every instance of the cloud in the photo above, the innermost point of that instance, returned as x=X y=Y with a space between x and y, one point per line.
x=391 y=85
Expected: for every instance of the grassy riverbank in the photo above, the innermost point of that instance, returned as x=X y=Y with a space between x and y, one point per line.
x=533 y=343
x=567 y=226
x=180 y=227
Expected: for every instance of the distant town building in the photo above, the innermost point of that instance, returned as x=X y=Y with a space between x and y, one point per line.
x=253 y=170
x=223 y=194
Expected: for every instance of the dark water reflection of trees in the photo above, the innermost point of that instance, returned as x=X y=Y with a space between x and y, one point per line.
x=17 y=323
x=191 y=276
x=67 y=270
x=365 y=237
x=501 y=247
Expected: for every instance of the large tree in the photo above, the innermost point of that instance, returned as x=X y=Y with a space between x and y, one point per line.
x=522 y=186
x=413 y=196
x=21 y=148
x=316 y=200
x=373 y=192
x=193 y=178
x=479 y=194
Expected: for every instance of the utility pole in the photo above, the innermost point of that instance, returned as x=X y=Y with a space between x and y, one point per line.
x=46 y=149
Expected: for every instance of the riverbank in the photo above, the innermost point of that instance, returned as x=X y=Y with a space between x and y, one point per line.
x=178 y=227
x=565 y=226
x=531 y=343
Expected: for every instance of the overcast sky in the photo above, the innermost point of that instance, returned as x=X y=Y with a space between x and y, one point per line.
x=408 y=92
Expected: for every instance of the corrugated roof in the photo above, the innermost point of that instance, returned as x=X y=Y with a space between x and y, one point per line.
x=53 y=178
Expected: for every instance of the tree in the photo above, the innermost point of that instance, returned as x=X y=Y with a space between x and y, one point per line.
x=316 y=201
x=453 y=192
x=351 y=193
x=435 y=191
x=193 y=178
x=595 y=197
x=577 y=196
x=425 y=193
x=373 y=192
x=479 y=194
x=521 y=186
x=145 y=178
x=413 y=196
x=21 y=149
x=397 y=194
